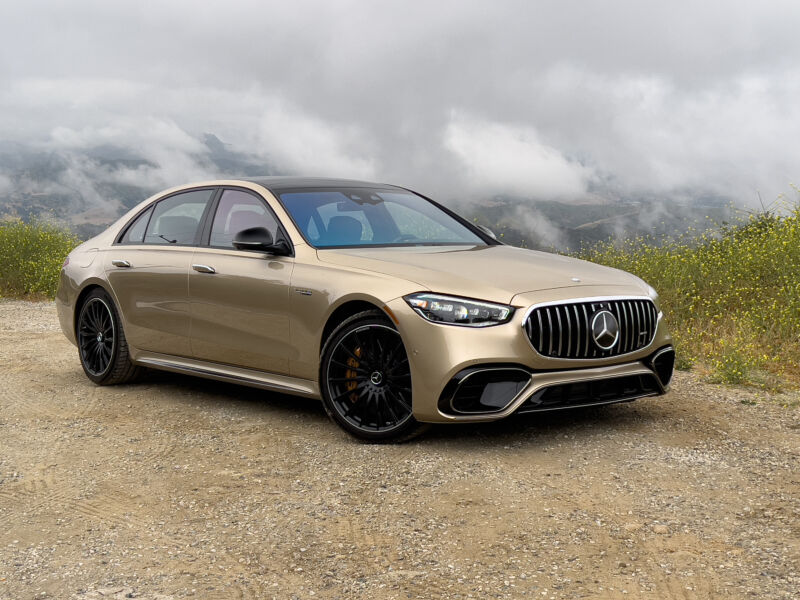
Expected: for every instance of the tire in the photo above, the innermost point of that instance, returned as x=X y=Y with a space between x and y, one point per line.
x=365 y=380
x=102 y=347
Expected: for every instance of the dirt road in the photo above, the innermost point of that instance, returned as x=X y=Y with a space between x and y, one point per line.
x=178 y=487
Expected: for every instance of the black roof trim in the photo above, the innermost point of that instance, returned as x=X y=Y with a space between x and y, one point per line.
x=284 y=183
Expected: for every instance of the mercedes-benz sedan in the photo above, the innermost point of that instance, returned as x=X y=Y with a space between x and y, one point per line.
x=387 y=306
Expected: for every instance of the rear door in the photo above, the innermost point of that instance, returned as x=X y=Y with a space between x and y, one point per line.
x=148 y=269
x=240 y=298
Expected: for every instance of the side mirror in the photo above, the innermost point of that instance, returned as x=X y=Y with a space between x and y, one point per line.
x=487 y=231
x=259 y=238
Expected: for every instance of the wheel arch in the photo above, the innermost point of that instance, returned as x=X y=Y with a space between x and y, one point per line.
x=346 y=309
x=87 y=289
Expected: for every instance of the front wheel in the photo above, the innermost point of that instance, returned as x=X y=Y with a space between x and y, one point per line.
x=366 y=380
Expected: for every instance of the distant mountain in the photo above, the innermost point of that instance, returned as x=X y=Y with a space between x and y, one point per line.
x=88 y=188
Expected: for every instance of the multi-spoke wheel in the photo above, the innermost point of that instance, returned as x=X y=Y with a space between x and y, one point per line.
x=101 y=342
x=366 y=379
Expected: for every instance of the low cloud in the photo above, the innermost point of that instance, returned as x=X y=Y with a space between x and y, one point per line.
x=459 y=100
x=6 y=184
x=511 y=159
x=545 y=233
x=301 y=144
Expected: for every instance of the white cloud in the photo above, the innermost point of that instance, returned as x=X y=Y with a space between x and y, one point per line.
x=511 y=159
x=550 y=98
x=5 y=184
x=302 y=144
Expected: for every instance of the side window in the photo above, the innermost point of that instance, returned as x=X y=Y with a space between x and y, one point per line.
x=238 y=210
x=135 y=232
x=175 y=219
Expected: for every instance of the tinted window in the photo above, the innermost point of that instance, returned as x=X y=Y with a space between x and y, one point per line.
x=236 y=211
x=175 y=219
x=135 y=232
x=374 y=217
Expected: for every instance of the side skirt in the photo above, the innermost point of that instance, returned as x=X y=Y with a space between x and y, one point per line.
x=220 y=372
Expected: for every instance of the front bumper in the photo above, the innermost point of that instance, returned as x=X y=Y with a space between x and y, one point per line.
x=439 y=353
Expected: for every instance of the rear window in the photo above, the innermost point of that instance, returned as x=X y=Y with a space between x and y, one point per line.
x=135 y=232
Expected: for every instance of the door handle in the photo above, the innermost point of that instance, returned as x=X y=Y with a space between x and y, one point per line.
x=203 y=269
x=120 y=263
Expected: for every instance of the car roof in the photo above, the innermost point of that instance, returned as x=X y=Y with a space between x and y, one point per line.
x=284 y=183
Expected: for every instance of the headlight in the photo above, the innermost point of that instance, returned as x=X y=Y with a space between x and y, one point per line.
x=458 y=311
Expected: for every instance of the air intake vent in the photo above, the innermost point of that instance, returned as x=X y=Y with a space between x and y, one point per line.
x=594 y=329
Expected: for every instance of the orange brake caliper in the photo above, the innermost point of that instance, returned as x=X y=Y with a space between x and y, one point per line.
x=350 y=386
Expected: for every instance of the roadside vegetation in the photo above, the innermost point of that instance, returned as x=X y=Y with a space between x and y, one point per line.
x=731 y=296
x=31 y=255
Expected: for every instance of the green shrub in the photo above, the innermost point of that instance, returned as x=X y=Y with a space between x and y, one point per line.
x=731 y=297
x=31 y=255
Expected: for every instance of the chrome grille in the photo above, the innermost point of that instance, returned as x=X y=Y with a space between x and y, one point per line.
x=564 y=330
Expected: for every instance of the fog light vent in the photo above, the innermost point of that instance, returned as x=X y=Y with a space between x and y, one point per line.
x=481 y=390
x=663 y=364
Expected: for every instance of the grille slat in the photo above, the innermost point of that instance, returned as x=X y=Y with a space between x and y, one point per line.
x=564 y=330
x=560 y=329
x=586 y=331
x=569 y=330
x=632 y=332
x=616 y=312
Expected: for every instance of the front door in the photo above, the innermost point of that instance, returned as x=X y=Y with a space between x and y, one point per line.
x=239 y=299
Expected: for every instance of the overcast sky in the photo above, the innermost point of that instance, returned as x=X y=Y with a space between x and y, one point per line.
x=547 y=99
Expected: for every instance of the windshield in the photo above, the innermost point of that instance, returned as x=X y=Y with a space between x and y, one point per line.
x=340 y=218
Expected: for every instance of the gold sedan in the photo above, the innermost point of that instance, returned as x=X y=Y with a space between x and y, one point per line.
x=387 y=306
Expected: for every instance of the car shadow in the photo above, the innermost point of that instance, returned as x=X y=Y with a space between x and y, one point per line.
x=532 y=428
x=212 y=392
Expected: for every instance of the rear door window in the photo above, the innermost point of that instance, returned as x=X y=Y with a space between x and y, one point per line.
x=176 y=219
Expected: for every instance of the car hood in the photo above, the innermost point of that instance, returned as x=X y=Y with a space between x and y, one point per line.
x=495 y=273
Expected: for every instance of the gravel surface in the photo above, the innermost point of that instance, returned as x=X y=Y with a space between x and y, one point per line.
x=179 y=487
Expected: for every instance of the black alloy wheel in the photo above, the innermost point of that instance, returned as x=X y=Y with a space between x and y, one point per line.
x=96 y=336
x=366 y=379
x=102 y=346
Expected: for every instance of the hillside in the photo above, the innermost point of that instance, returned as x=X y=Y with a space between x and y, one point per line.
x=90 y=188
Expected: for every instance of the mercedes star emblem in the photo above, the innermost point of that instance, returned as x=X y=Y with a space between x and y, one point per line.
x=605 y=330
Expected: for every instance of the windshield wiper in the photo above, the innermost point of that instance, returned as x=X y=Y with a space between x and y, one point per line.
x=167 y=239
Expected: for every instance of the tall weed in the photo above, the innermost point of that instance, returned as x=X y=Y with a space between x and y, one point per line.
x=31 y=255
x=731 y=297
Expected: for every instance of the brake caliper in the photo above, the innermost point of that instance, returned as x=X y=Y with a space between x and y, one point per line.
x=350 y=386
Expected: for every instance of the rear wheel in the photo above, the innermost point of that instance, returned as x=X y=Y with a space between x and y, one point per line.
x=366 y=380
x=102 y=347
